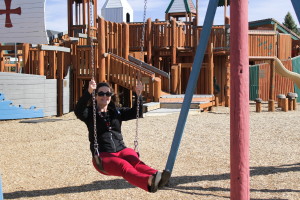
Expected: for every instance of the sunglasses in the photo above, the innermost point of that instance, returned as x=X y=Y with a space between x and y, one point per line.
x=108 y=94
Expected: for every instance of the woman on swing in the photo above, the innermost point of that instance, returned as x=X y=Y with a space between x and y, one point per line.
x=116 y=158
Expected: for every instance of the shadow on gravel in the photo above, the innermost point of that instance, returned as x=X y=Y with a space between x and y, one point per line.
x=176 y=183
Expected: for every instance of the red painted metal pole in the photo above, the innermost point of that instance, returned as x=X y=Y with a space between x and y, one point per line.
x=239 y=102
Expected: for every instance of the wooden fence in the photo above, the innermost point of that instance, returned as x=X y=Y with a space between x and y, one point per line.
x=261 y=88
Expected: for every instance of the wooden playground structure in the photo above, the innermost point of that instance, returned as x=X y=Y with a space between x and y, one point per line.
x=167 y=56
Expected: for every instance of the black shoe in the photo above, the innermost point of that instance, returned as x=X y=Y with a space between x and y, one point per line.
x=155 y=181
x=164 y=179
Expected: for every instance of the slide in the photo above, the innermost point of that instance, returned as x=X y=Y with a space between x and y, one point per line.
x=280 y=69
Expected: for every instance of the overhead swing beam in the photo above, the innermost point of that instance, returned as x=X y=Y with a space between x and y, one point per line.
x=204 y=37
x=296 y=5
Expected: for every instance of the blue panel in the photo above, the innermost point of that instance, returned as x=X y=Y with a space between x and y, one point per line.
x=208 y=22
x=9 y=111
x=296 y=5
x=1 y=193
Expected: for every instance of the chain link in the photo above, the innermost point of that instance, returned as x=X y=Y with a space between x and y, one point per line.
x=136 y=143
x=96 y=145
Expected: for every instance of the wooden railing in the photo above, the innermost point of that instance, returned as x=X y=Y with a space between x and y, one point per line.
x=165 y=34
x=127 y=74
x=38 y=60
x=84 y=62
x=135 y=36
x=161 y=34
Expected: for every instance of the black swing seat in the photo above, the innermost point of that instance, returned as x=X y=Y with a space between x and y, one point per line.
x=99 y=165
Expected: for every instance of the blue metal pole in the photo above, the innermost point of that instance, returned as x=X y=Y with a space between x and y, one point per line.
x=205 y=33
x=1 y=193
x=296 y=5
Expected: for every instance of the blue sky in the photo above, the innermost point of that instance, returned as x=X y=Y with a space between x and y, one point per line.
x=56 y=11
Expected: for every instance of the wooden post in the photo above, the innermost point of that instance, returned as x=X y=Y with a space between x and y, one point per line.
x=130 y=98
x=1 y=60
x=280 y=97
x=60 y=80
x=53 y=63
x=115 y=87
x=227 y=84
x=239 y=101
x=210 y=69
x=157 y=89
x=25 y=50
x=271 y=105
x=174 y=42
x=295 y=103
x=41 y=61
x=102 y=49
x=216 y=101
x=126 y=41
x=272 y=85
x=284 y=104
x=70 y=18
x=290 y=103
x=108 y=63
x=149 y=41
x=18 y=65
x=258 y=106
x=174 y=80
x=85 y=8
x=120 y=39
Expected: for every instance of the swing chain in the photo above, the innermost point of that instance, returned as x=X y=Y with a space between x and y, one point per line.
x=96 y=145
x=136 y=143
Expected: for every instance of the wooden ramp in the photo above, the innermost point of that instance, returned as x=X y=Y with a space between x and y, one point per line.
x=203 y=102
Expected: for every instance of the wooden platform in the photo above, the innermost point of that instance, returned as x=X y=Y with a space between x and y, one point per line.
x=203 y=102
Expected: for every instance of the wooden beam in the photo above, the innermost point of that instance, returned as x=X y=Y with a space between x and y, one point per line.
x=102 y=49
x=272 y=87
x=70 y=18
x=55 y=48
x=11 y=47
x=174 y=44
x=41 y=61
x=210 y=69
x=126 y=41
x=261 y=58
x=149 y=41
x=60 y=83
x=174 y=80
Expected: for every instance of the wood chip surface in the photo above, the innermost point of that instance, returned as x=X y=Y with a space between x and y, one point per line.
x=51 y=160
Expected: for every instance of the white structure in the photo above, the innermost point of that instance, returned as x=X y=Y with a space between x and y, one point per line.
x=117 y=11
x=23 y=21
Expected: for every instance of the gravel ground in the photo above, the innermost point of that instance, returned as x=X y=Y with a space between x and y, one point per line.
x=51 y=160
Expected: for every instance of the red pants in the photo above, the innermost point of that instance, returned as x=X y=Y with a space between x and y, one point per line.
x=127 y=164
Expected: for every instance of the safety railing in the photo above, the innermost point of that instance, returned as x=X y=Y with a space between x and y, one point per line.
x=127 y=74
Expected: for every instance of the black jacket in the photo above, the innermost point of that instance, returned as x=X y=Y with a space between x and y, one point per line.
x=109 y=139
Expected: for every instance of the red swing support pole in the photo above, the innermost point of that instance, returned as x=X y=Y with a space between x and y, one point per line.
x=239 y=101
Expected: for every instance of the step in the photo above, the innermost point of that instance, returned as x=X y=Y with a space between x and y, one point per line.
x=199 y=101
x=150 y=106
x=180 y=98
